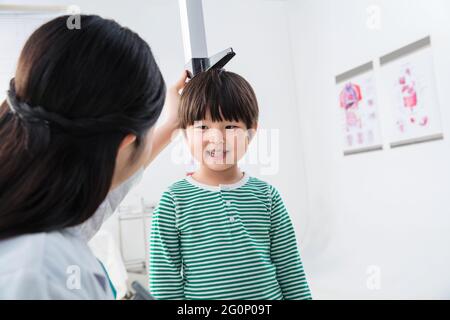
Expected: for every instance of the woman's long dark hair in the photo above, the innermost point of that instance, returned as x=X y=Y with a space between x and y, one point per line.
x=77 y=93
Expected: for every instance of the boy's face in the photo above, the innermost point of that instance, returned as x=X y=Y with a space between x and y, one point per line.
x=218 y=145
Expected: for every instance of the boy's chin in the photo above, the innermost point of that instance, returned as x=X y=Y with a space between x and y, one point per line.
x=218 y=167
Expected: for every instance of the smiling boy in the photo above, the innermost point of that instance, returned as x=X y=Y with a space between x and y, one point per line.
x=220 y=233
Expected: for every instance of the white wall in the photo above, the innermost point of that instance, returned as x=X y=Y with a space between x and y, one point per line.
x=390 y=208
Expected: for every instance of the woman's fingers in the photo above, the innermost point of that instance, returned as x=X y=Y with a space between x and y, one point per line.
x=182 y=81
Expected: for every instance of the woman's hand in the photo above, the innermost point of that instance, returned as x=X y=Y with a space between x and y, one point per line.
x=162 y=134
x=173 y=99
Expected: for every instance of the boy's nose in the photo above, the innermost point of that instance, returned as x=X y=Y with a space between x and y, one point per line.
x=215 y=136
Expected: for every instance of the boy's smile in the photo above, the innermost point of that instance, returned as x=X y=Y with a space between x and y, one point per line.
x=217 y=154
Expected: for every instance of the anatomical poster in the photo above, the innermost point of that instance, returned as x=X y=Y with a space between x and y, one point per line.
x=358 y=108
x=409 y=84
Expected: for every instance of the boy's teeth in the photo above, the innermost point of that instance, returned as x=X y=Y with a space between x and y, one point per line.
x=213 y=152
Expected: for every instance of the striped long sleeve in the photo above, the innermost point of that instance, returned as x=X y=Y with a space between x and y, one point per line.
x=224 y=242
x=165 y=279
x=285 y=254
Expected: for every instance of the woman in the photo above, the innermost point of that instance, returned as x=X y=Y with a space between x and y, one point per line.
x=76 y=132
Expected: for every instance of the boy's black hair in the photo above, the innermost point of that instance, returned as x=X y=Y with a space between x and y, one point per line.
x=226 y=95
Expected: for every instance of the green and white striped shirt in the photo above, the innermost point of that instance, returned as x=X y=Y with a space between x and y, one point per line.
x=226 y=242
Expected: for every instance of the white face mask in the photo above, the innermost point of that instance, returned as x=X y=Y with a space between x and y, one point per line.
x=89 y=228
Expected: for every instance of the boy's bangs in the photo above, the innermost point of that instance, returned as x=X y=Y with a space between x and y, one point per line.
x=221 y=107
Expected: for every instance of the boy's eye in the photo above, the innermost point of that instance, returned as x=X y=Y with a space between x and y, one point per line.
x=230 y=127
x=201 y=127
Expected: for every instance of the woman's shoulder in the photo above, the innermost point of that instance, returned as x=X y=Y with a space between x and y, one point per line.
x=26 y=275
x=38 y=251
x=46 y=265
x=22 y=252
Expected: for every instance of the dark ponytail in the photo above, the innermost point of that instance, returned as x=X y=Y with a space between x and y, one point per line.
x=76 y=95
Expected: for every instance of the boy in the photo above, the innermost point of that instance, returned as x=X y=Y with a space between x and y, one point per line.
x=219 y=233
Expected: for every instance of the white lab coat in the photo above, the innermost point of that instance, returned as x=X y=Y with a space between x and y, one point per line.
x=59 y=264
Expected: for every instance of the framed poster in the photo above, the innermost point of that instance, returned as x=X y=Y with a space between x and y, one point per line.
x=409 y=83
x=358 y=106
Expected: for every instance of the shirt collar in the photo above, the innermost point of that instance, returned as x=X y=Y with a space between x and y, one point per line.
x=220 y=187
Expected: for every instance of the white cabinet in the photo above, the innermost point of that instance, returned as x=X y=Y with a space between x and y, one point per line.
x=134 y=235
